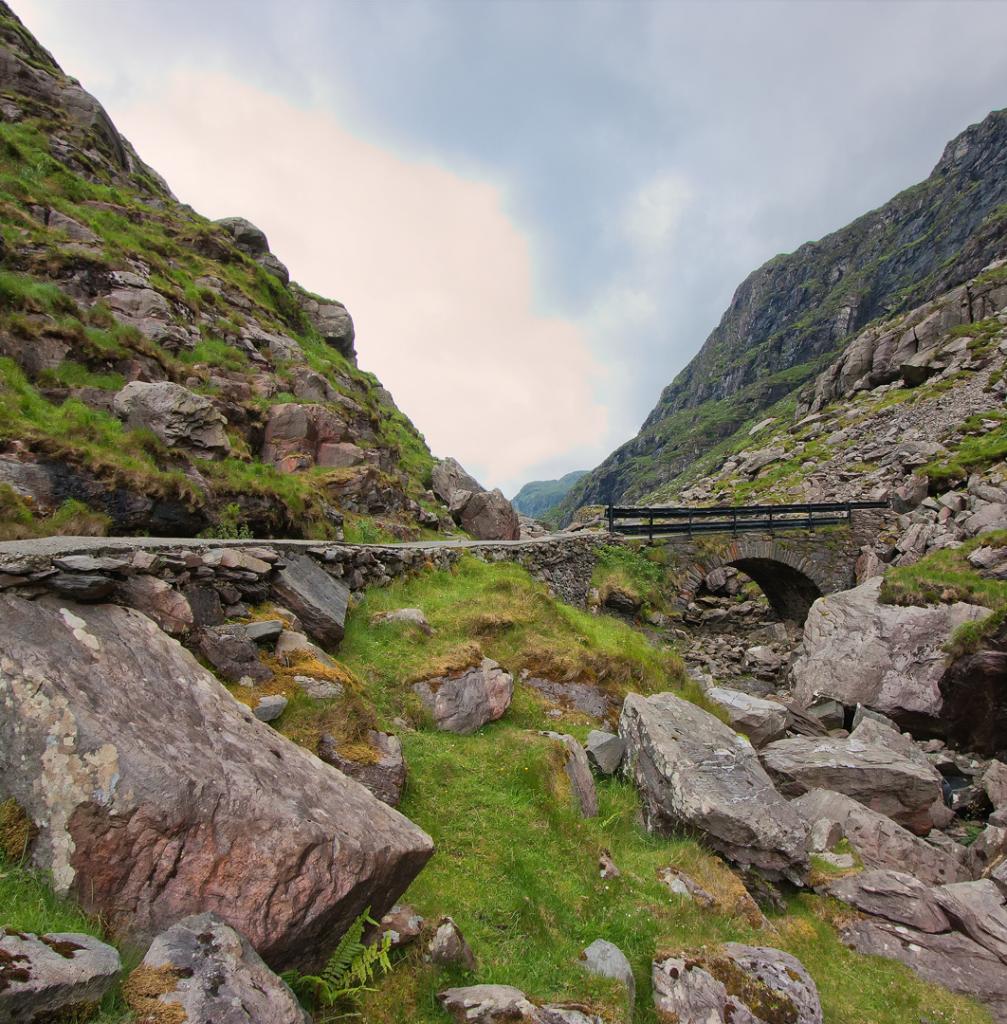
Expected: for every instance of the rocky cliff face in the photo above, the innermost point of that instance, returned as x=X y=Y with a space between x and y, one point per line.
x=159 y=372
x=789 y=317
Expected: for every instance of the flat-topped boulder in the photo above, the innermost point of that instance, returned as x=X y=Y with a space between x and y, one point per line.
x=877 y=776
x=315 y=597
x=157 y=795
x=696 y=774
x=762 y=721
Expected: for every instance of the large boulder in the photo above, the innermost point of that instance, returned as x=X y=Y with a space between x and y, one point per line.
x=878 y=776
x=209 y=971
x=887 y=657
x=978 y=910
x=762 y=721
x=49 y=977
x=301 y=436
x=488 y=515
x=449 y=477
x=609 y=961
x=735 y=984
x=247 y=237
x=578 y=773
x=179 y=417
x=878 y=841
x=332 y=321
x=157 y=795
x=465 y=703
x=316 y=598
x=695 y=773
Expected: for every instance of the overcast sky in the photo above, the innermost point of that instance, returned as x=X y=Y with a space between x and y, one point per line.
x=535 y=211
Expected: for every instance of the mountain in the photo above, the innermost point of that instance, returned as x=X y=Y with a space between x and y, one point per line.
x=792 y=316
x=159 y=372
x=541 y=496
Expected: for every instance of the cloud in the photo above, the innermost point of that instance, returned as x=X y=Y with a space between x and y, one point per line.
x=437 y=277
x=655 y=211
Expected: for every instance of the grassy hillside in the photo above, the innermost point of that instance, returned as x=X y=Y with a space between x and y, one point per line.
x=516 y=866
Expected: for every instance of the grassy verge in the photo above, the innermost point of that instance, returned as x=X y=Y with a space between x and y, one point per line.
x=945 y=576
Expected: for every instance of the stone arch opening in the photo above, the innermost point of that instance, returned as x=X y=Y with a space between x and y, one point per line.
x=790 y=592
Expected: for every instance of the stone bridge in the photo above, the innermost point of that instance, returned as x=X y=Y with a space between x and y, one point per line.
x=793 y=567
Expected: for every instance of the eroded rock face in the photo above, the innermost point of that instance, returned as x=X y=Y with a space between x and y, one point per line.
x=879 y=841
x=886 y=657
x=735 y=984
x=449 y=476
x=179 y=417
x=877 y=776
x=465 y=703
x=694 y=772
x=158 y=795
x=332 y=321
x=44 y=977
x=218 y=977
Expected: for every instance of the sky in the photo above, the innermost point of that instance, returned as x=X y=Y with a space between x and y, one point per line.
x=535 y=210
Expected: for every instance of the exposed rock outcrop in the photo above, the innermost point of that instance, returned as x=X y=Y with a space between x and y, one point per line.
x=179 y=417
x=888 y=657
x=466 y=702
x=165 y=797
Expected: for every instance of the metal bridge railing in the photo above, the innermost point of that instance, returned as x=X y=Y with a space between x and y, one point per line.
x=651 y=521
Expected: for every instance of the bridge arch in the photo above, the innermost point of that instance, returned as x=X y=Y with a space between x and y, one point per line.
x=791 y=578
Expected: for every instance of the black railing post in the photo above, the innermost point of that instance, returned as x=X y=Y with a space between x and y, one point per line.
x=652 y=529
x=772 y=532
x=611 y=518
x=811 y=519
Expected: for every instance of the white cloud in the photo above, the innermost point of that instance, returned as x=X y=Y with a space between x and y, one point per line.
x=437 y=277
x=654 y=212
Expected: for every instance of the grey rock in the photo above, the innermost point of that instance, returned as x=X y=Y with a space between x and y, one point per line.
x=825 y=833
x=488 y=515
x=890 y=658
x=45 y=977
x=694 y=772
x=986 y=850
x=264 y=630
x=609 y=961
x=947 y=958
x=687 y=987
x=159 y=601
x=762 y=721
x=218 y=975
x=384 y=773
x=319 y=689
x=895 y=896
x=605 y=751
x=231 y=651
x=448 y=477
x=879 y=777
x=157 y=756
x=89 y=563
x=332 y=321
x=80 y=586
x=403 y=923
x=977 y=909
x=448 y=948
x=179 y=417
x=269 y=708
x=681 y=884
x=863 y=712
x=247 y=237
x=409 y=616
x=464 y=703
x=578 y=772
x=503 y=1004
x=830 y=713
x=878 y=841
x=318 y=600
x=994 y=782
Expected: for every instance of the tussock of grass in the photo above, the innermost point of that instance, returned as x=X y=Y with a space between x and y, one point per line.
x=634 y=570
x=74 y=518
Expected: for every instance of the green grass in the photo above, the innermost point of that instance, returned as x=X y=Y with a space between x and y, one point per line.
x=980 y=449
x=944 y=576
x=635 y=570
x=216 y=352
x=498 y=611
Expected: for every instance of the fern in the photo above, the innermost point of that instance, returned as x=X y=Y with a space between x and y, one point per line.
x=348 y=972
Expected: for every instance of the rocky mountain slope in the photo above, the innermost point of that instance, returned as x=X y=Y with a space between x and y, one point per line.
x=537 y=498
x=793 y=314
x=158 y=371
